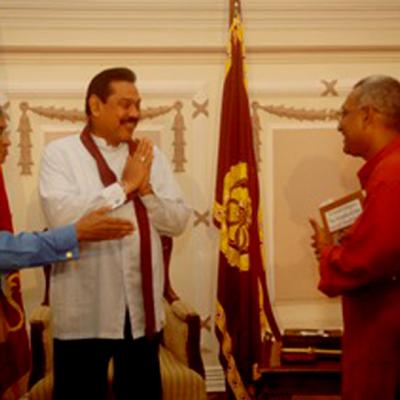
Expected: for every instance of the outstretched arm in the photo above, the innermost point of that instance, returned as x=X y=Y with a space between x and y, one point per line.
x=59 y=244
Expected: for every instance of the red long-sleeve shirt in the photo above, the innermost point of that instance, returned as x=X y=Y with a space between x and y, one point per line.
x=365 y=270
x=370 y=251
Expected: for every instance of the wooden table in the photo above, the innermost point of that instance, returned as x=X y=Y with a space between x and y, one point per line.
x=282 y=381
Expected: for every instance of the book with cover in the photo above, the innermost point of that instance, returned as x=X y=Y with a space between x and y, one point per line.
x=338 y=215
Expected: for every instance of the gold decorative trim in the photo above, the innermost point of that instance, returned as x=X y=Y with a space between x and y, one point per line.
x=232 y=373
x=18 y=388
x=234 y=217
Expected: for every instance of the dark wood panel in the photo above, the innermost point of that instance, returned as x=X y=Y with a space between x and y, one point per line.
x=282 y=381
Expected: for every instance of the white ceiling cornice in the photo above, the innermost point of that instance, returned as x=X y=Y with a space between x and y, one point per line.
x=201 y=50
x=204 y=5
x=170 y=55
x=168 y=12
x=177 y=22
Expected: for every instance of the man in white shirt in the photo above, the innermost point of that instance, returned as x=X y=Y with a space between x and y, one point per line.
x=32 y=249
x=110 y=304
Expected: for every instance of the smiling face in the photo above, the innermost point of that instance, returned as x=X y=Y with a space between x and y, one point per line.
x=117 y=117
x=352 y=125
x=4 y=140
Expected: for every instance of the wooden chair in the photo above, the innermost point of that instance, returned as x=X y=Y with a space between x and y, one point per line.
x=182 y=370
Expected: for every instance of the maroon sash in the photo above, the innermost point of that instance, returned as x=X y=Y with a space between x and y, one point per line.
x=108 y=177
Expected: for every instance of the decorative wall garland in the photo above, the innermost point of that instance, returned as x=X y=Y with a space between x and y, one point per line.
x=74 y=115
x=178 y=127
x=25 y=144
x=300 y=114
x=179 y=143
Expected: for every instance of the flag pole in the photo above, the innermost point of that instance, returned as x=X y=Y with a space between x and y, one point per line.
x=234 y=10
x=244 y=322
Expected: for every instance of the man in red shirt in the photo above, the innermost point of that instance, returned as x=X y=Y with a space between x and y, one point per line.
x=365 y=268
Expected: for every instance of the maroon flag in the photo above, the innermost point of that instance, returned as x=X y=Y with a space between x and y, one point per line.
x=244 y=319
x=14 y=343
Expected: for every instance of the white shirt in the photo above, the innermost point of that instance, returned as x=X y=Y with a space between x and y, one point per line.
x=90 y=296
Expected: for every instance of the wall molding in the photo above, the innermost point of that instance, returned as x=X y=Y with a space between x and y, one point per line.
x=162 y=13
x=178 y=22
x=160 y=50
x=74 y=90
x=198 y=54
x=76 y=116
x=171 y=89
x=269 y=130
x=205 y=5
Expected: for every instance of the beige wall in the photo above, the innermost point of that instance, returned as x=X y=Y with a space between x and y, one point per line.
x=50 y=49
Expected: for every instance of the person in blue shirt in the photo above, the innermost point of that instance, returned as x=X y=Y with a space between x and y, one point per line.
x=58 y=244
x=54 y=245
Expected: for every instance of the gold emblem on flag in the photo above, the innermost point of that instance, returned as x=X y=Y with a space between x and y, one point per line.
x=234 y=216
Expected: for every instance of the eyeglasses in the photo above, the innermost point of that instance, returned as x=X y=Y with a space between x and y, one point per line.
x=343 y=113
x=366 y=108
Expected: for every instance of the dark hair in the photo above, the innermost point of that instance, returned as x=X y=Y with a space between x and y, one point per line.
x=100 y=84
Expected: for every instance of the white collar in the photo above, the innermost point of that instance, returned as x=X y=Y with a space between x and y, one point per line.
x=104 y=146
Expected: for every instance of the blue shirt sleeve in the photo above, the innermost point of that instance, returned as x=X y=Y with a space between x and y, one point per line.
x=32 y=249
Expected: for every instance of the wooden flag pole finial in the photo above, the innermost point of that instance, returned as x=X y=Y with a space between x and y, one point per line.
x=234 y=9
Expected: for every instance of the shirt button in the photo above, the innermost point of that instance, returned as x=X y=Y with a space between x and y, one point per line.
x=69 y=255
x=394 y=278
